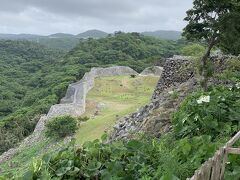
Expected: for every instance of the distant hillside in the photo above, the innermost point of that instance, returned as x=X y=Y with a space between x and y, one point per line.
x=92 y=34
x=55 y=41
x=60 y=41
x=19 y=36
x=66 y=42
x=169 y=35
x=61 y=35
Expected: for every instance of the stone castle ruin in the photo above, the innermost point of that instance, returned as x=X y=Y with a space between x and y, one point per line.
x=72 y=104
x=75 y=98
x=74 y=101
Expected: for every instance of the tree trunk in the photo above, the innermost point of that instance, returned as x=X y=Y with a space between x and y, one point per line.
x=204 y=63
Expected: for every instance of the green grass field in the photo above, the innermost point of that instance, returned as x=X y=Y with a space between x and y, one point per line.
x=120 y=96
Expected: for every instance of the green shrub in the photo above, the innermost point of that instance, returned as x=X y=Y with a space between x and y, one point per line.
x=213 y=113
x=132 y=75
x=231 y=70
x=196 y=50
x=83 y=119
x=143 y=158
x=233 y=64
x=61 y=126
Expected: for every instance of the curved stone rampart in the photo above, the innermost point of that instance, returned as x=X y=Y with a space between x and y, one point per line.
x=74 y=101
x=72 y=104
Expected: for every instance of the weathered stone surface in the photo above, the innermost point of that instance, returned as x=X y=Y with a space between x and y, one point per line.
x=152 y=71
x=173 y=74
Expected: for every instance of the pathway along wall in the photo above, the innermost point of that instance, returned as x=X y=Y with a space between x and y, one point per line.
x=72 y=104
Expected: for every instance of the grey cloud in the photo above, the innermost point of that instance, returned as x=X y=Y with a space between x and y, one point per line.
x=74 y=16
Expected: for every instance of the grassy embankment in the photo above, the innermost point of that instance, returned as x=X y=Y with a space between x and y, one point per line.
x=119 y=96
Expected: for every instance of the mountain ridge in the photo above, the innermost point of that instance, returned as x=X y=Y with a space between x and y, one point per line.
x=92 y=33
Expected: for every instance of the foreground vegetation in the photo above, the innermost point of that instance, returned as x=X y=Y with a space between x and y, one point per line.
x=204 y=122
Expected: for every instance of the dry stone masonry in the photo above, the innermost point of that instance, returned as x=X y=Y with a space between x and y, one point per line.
x=176 y=71
x=72 y=104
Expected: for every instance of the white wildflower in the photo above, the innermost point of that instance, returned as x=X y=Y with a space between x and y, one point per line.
x=238 y=85
x=206 y=99
x=170 y=92
x=184 y=120
x=196 y=118
x=203 y=99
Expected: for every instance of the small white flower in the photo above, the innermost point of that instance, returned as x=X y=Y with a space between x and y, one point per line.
x=203 y=99
x=238 y=85
x=199 y=101
x=196 y=118
x=206 y=99
x=184 y=120
x=170 y=92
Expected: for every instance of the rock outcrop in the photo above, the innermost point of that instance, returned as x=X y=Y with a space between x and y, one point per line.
x=152 y=71
x=72 y=104
x=176 y=82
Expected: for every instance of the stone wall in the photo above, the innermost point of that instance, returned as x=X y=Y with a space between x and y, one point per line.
x=152 y=71
x=176 y=71
x=74 y=101
x=72 y=104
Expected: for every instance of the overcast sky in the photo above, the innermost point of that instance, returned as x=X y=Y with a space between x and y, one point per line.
x=75 y=16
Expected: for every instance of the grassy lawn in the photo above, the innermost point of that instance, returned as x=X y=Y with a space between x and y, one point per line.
x=119 y=96
x=21 y=161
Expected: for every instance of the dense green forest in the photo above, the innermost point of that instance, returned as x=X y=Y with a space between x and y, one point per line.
x=34 y=77
x=134 y=50
x=66 y=42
